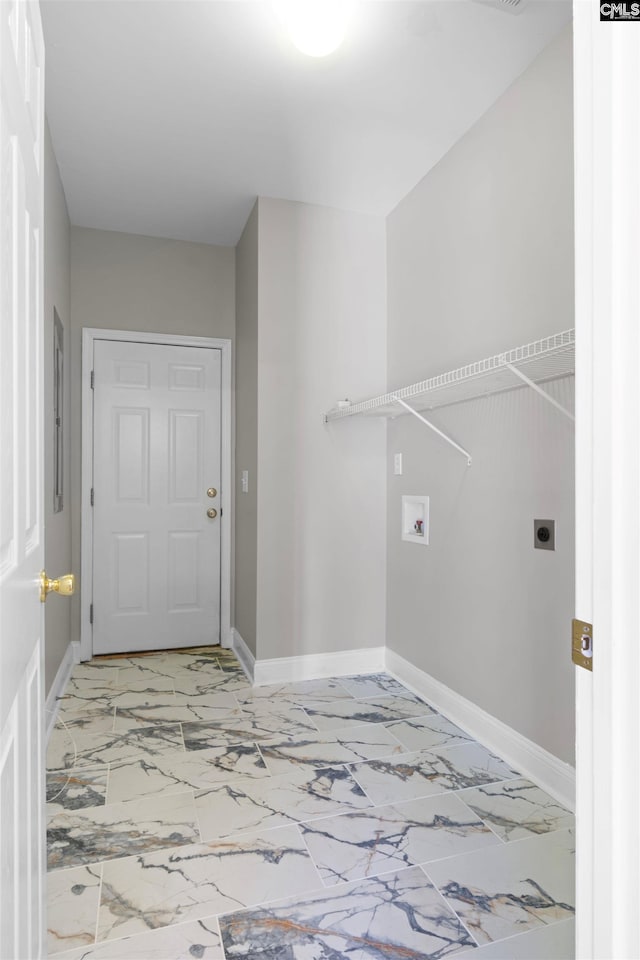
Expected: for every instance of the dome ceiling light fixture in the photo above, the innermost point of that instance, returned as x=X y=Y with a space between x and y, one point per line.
x=316 y=27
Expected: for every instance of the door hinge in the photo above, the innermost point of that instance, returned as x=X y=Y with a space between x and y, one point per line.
x=90 y=613
x=92 y=496
x=93 y=380
x=582 y=644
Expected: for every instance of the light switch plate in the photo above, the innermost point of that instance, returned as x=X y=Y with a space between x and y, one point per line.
x=397 y=464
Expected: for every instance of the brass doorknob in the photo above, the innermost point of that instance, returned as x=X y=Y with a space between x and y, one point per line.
x=212 y=492
x=211 y=513
x=65 y=586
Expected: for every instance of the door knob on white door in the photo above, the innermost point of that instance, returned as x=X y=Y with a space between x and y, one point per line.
x=65 y=586
x=211 y=513
x=212 y=492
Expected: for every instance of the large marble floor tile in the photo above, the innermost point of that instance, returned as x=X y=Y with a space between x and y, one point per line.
x=145 y=685
x=83 y=749
x=331 y=716
x=72 y=907
x=357 y=845
x=188 y=685
x=202 y=880
x=103 y=671
x=120 y=829
x=76 y=789
x=87 y=721
x=297 y=795
x=296 y=691
x=360 y=742
x=553 y=942
x=199 y=940
x=139 y=695
x=372 y=685
x=252 y=725
x=423 y=733
x=517 y=809
x=218 y=708
x=394 y=917
x=177 y=772
x=511 y=888
x=147 y=668
x=426 y=772
x=88 y=696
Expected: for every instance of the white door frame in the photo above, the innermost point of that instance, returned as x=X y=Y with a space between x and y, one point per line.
x=607 y=158
x=89 y=336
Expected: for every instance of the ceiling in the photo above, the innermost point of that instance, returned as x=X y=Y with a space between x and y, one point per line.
x=169 y=118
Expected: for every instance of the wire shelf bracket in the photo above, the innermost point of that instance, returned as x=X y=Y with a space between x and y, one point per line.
x=435 y=429
x=543 y=393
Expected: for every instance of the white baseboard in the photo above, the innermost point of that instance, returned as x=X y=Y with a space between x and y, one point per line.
x=531 y=760
x=71 y=657
x=316 y=666
x=243 y=653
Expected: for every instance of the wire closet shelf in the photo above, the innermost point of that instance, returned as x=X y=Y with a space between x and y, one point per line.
x=532 y=364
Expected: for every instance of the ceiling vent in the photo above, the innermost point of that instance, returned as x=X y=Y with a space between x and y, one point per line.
x=509 y=6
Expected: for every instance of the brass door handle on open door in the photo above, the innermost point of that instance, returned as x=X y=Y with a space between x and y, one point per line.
x=65 y=586
x=212 y=514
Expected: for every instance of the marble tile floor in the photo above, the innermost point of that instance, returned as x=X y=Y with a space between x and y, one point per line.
x=193 y=816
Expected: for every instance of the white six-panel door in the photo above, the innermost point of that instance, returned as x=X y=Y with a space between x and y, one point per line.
x=21 y=450
x=156 y=470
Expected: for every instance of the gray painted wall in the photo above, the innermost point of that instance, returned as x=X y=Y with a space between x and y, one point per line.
x=246 y=516
x=480 y=259
x=56 y=295
x=124 y=282
x=321 y=488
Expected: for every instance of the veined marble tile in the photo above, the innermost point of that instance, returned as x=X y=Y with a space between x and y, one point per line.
x=373 y=685
x=326 y=690
x=99 y=720
x=553 y=942
x=86 y=695
x=362 y=742
x=219 y=651
x=104 y=671
x=120 y=829
x=399 y=915
x=142 y=695
x=511 y=888
x=166 y=666
x=177 y=772
x=188 y=883
x=424 y=772
x=187 y=685
x=250 y=805
x=372 y=710
x=423 y=733
x=76 y=789
x=517 y=809
x=145 y=685
x=357 y=845
x=229 y=666
x=132 y=718
x=72 y=907
x=199 y=940
x=252 y=725
x=84 y=749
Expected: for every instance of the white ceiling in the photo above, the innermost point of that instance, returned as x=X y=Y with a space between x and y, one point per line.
x=169 y=118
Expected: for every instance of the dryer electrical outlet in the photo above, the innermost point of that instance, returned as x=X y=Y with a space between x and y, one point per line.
x=544 y=534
